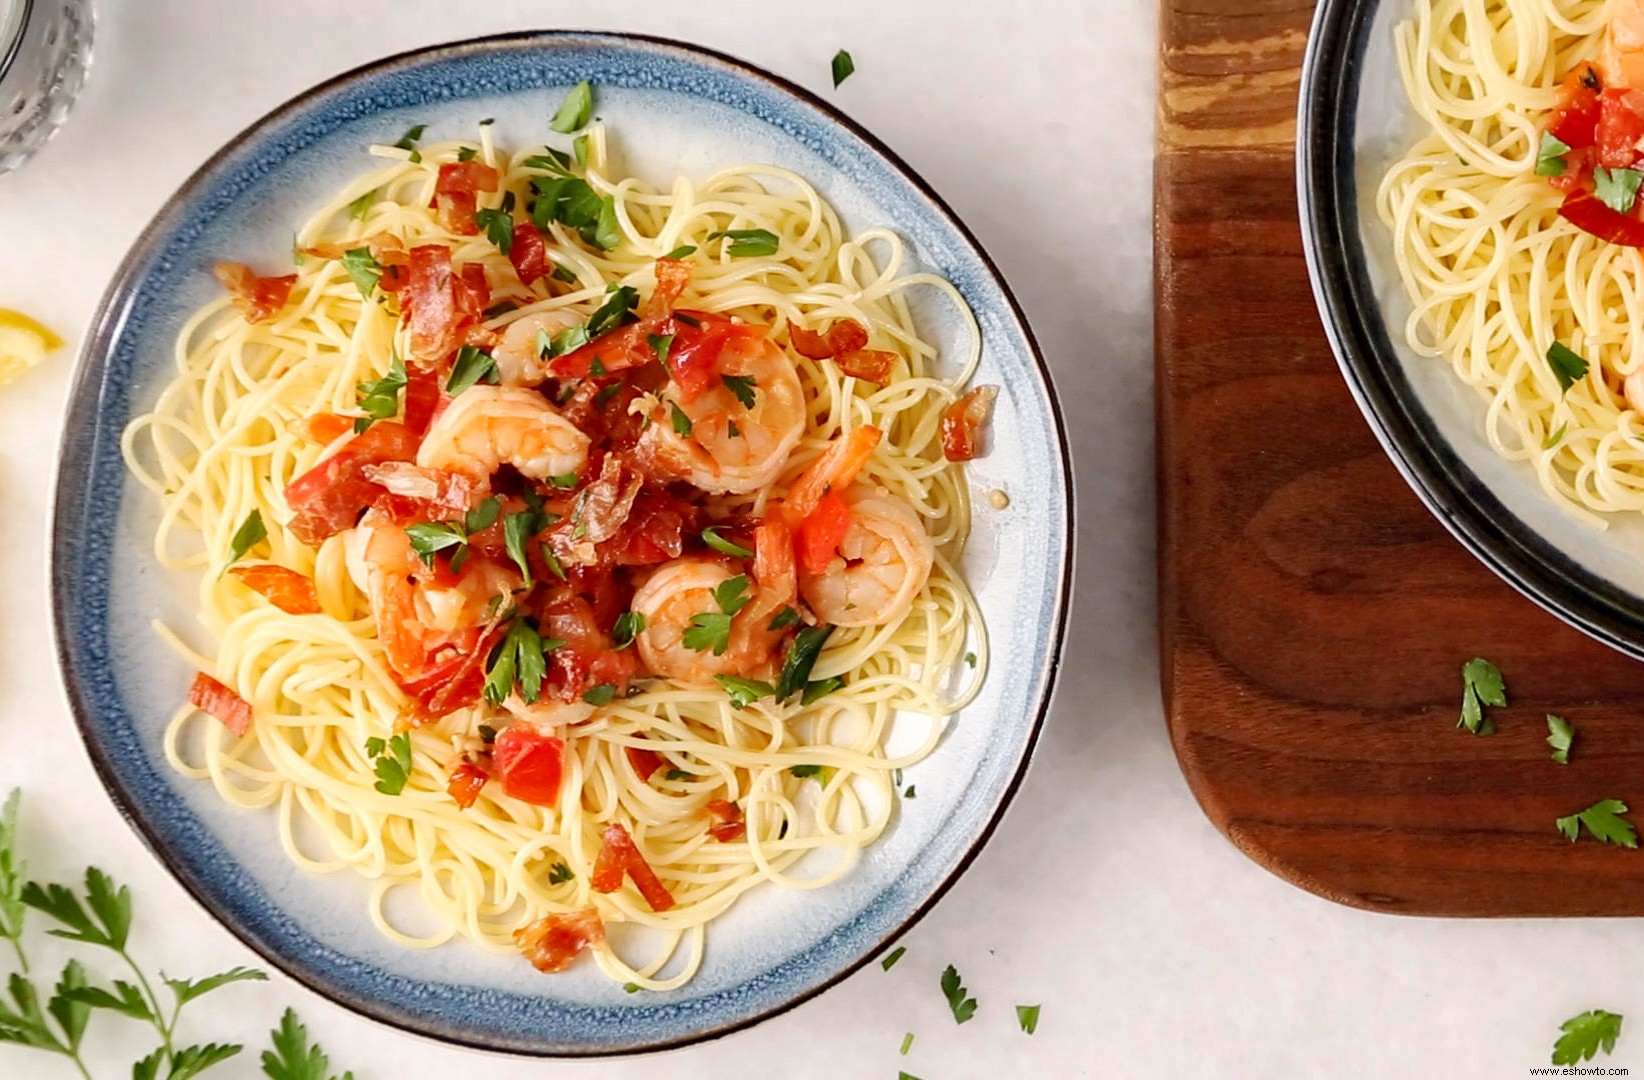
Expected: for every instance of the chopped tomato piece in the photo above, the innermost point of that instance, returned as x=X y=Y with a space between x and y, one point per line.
x=963 y=421
x=531 y=764
x=845 y=335
x=822 y=531
x=325 y=428
x=553 y=941
x=1575 y=121
x=258 y=298
x=328 y=498
x=870 y=365
x=210 y=696
x=728 y=825
x=619 y=856
x=529 y=254
x=291 y=592
x=465 y=783
x=1620 y=127
x=835 y=468
x=693 y=360
x=466 y=177
x=645 y=762
x=1584 y=210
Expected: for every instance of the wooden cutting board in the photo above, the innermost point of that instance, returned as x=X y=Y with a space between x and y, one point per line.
x=1314 y=617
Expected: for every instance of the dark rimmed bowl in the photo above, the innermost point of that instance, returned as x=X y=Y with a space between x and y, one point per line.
x=1353 y=122
x=676 y=108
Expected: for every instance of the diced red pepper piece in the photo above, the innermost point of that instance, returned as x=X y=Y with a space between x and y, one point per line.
x=258 y=298
x=963 y=421
x=553 y=941
x=210 y=696
x=1620 y=128
x=291 y=592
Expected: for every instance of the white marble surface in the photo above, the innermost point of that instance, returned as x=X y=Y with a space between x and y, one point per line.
x=1154 y=947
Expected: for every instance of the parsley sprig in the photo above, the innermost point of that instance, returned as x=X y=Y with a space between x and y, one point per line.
x=1603 y=821
x=379 y=399
x=521 y=659
x=1481 y=685
x=712 y=629
x=963 y=1007
x=1585 y=1035
x=294 y=1057
x=1560 y=736
x=391 y=761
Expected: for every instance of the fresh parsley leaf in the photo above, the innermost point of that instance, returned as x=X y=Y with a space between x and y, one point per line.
x=522 y=657
x=744 y=692
x=570 y=201
x=747 y=242
x=679 y=775
x=708 y=630
x=614 y=311
x=565 y=480
x=629 y=625
x=110 y=906
x=126 y=1000
x=360 y=207
x=1604 y=822
x=732 y=430
x=711 y=537
x=251 y=532
x=783 y=619
x=1556 y=437
x=909 y=793
x=963 y=1007
x=487 y=733
x=631 y=988
x=682 y=251
x=566 y=274
x=186 y=990
x=552 y=560
x=12 y=873
x=499 y=224
x=742 y=386
x=970 y=659
x=843 y=67
x=822 y=774
x=364 y=269
x=467 y=153
x=579 y=150
x=607 y=232
x=550 y=160
x=1481 y=685
x=560 y=874
x=1028 y=1017
x=408 y=141
x=517 y=529
x=70 y=1013
x=600 y=695
x=483 y=516
x=1550 y=156
x=575 y=110
x=660 y=344
x=1560 y=736
x=1585 y=1035
x=1568 y=365
x=802 y=654
x=905 y=1076
x=907 y=1044
x=430 y=537
x=732 y=594
x=392 y=762
x=681 y=422
x=1616 y=188
x=473 y=364
x=190 y=1061
x=380 y=398
x=293 y=1056
x=820 y=689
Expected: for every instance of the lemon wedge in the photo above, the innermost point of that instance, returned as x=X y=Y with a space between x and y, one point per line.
x=23 y=344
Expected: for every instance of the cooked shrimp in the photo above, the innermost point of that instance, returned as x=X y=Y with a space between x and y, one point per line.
x=486 y=427
x=519 y=359
x=884 y=560
x=731 y=447
x=1622 y=60
x=683 y=589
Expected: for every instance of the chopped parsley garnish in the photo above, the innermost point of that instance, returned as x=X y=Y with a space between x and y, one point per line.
x=552 y=560
x=748 y=242
x=251 y=532
x=1560 y=736
x=392 y=762
x=566 y=274
x=744 y=692
x=568 y=340
x=802 y=654
x=487 y=733
x=843 y=67
x=570 y=201
x=575 y=111
x=550 y=160
x=680 y=316
x=488 y=121
x=679 y=775
x=732 y=430
x=659 y=344
x=380 y=398
x=629 y=625
x=521 y=657
x=1481 y=685
x=599 y=695
x=607 y=233
x=517 y=528
x=631 y=988
x=482 y=516
x=361 y=206
x=783 y=619
x=1604 y=822
x=732 y=594
x=466 y=153
x=614 y=312
x=364 y=269
x=909 y=793
x=681 y=251
x=565 y=480
x=970 y=658
x=473 y=365
x=711 y=537
x=963 y=1007
x=822 y=774
x=820 y=689
x=1550 y=156
x=1568 y=365
x=1616 y=188
x=1586 y=1034
x=1028 y=1017
x=712 y=630
x=408 y=141
x=499 y=224
x=742 y=386
x=681 y=422
x=560 y=873
x=1556 y=437
x=430 y=537
x=907 y=1043
x=579 y=150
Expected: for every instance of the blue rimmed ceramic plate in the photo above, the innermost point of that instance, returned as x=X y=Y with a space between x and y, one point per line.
x=674 y=109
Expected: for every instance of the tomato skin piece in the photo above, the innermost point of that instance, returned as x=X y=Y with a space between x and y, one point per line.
x=963 y=421
x=465 y=783
x=328 y=498
x=553 y=941
x=822 y=531
x=291 y=592
x=1584 y=210
x=843 y=336
x=210 y=696
x=258 y=298
x=531 y=764
x=1620 y=128
x=645 y=762
x=529 y=253
x=466 y=178
x=619 y=856
x=728 y=825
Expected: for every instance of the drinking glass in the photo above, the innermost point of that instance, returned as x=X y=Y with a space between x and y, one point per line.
x=45 y=48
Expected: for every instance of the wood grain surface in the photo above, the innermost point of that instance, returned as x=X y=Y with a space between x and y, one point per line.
x=1313 y=616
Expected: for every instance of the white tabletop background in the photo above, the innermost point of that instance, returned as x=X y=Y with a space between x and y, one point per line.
x=1154 y=947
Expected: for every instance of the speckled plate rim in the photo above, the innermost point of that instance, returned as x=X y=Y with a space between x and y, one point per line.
x=77 y=452
x=1327 y=197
